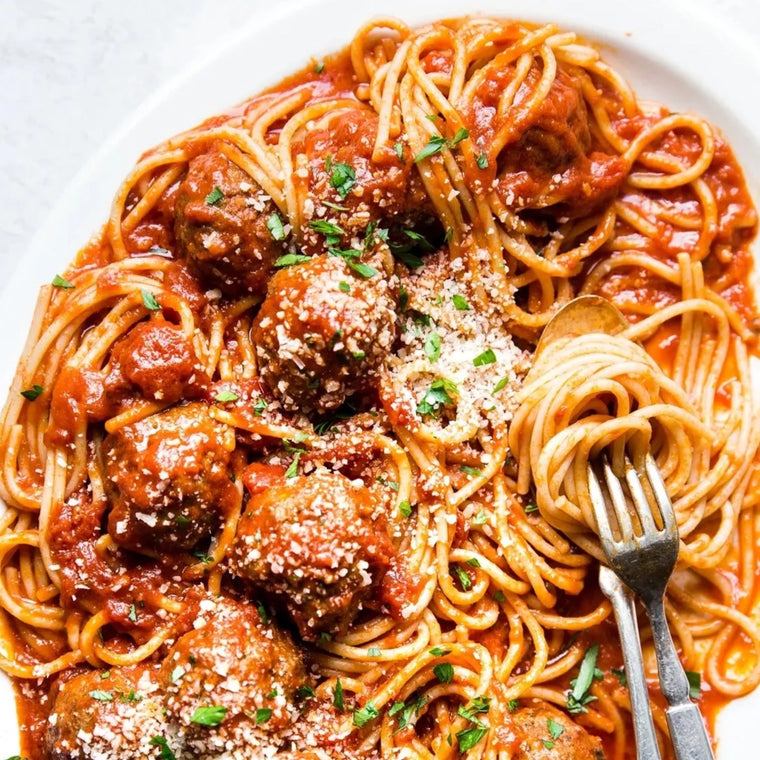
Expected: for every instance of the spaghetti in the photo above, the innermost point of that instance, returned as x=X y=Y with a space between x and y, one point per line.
x=288 y=387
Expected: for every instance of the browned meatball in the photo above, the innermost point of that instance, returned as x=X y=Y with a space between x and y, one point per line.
x=323 y=332
x=237 y=670
x=314 y=543
x=167 y=478
x=159 y=360
x=221 y=224
x=341 y=171
x=532 y=737
x=113 y=713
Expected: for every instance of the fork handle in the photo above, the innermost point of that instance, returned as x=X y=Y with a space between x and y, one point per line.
x=687 y=728
x=643 y=727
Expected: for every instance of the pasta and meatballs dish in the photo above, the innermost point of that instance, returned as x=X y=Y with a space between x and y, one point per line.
x=281 y=476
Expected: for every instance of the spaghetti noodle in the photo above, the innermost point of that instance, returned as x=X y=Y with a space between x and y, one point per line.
x=288 y=387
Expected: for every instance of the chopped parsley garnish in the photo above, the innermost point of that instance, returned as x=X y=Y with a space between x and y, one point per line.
x=101 y=696
x=500 y=385
x=469 y=737
x=262 y=613
x=149 y=301
x=213 y=198
x=343 y=178
x=406 y=710
x=480 y=519
x=439 y=651
x=365 y=270
x=444 y=672
x=259 y=407
x=263 y=714
x=579 y=697
x=449 y=234
x=403 y=298
x=474 y=471
x=206 y=559
x=211 y=715
x=319 y=68
x=334 y=206
x=499 y=597
x=166 y=752
x=460 y=302
x=619 y=673
x=487 y=357
x=695 y=683
x=405 y=508
x=272 y=694
x=289 y=259
x=437 y=396
x=132 y=613
x=30 y=394
x=275 y=227
x=433 y=346
x=304 y=691
x=338 y=696
x=555 y=731
x=292 y=470
x=478 y=706
x=531 y=507
x=326 y=228
x=225 y=396
x=365 y=715
x=482 y=161
x=344 y=287
x=513 y=704
x=399 y=149
x=437 y=144
x=473 y=562
x=464 y=579
x=59 y=282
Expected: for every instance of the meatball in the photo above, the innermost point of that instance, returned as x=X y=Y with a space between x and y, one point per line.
x=239 y=664
x=221 y=220
x=159 y=360
x=532 y=734
x=342 y=171
x=167 y=478
x=115 y=713
x=314 y=544
x=323 y=333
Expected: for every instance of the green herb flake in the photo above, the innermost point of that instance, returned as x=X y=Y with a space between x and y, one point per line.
x=464 y=579
x=469 y=737
x=262 y=613
x=132 y=613
x=487 y=357
x=343 y=178
x=462 y=134
x=213 y=198
x=482 y=161
x=210 y=715
x=436 y=144
x=433 y=346
x=474 y=471
x=275 y=227
x=473 y=562
x=263 y=714
x=530 y=508
x=555 y=729
x=480 y=519
x=326 y=228
x=405 y=508
x=344 y=287
x=166 y=752
x=444 y=672
x=224 y=396
x=292 y=470
x=259 y=407
x=619 y=673
x=499 y=596
x=695 y=683
x=365 y=270
x=290 y=259
x=365 y=715
x=513 y=704
x=579 y=697
x=177 y=673
x=438 y=395
x=439 y=651
x=500 y=385
x=101 y=696
x=59 y=282
x=399 y=150
x=304 y=691
x=30 y=394
x=149 y=301
x=460 y=302
x=319 y=68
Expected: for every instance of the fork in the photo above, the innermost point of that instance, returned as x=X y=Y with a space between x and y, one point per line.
x=643 y=555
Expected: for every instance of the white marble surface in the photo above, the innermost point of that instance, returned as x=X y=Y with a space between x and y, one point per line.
x=72 y=70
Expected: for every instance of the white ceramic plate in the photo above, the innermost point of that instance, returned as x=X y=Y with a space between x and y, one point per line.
x=667 y=49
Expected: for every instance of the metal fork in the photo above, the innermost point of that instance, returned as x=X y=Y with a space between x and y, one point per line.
x=642 y=550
